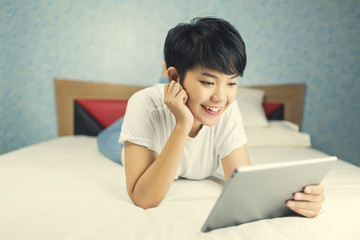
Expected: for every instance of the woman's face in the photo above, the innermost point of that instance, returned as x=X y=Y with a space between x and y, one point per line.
x=209 y=94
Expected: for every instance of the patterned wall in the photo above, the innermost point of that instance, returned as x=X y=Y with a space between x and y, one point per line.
x=316 y=42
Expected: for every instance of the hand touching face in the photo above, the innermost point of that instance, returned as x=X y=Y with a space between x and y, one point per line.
x=175 y=98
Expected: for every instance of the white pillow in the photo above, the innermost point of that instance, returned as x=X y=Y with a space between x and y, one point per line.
x=250 y=104
x=280 y=133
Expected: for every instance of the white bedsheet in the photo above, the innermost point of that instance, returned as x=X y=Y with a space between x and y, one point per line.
x=65 y=189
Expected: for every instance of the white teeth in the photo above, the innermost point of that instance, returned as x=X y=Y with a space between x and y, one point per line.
x=213 y=109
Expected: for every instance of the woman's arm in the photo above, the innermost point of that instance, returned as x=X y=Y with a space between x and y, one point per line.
x=149 y=175
x=238 y=157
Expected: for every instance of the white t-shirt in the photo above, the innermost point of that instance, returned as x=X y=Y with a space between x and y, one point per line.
x=148 y=122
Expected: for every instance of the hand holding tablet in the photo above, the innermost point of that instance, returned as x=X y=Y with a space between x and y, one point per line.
x=263 y=191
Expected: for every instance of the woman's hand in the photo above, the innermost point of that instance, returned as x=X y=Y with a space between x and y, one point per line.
x=175 y=98
x=308 y=203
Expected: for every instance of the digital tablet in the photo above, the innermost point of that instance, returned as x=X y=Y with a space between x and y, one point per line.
x=261 y=191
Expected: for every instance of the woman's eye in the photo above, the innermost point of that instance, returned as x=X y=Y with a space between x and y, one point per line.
x=232 y=84
x=206 y=83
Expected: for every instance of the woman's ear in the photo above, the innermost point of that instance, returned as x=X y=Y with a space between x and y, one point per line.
x=173 y=74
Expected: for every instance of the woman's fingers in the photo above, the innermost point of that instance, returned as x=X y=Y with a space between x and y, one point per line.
x=309 y=197
x=308 y=203
x=314 y=189
x=307 y=209
x=182 y=95
x=174 y=92
x=304 y=205
x=307 y=212
x=172 y=89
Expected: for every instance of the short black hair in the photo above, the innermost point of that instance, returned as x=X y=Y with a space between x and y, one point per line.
x=211 y=42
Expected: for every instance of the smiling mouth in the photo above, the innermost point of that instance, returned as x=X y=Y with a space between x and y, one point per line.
x=212 y=109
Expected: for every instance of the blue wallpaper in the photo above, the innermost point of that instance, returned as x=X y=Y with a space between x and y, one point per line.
x=316 y=42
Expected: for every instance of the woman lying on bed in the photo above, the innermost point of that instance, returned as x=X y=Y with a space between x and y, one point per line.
x=184 y=128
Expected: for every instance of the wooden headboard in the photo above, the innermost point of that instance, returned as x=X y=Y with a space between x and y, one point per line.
x=292 y=95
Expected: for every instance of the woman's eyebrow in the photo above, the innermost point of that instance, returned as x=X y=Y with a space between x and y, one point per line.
x=213 y=76
x=209 y=75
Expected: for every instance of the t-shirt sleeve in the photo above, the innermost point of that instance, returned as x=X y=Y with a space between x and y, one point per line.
x=231 y=132
x=138 y=127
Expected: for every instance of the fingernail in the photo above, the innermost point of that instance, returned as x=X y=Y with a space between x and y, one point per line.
x=290 y=204
x=307 y=190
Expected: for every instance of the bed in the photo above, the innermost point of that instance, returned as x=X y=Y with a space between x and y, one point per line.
x=65 y=188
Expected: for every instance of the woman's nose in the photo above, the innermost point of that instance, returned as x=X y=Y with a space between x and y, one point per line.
x=219 y=94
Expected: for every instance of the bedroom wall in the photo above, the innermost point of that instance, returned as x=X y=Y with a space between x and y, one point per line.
x=316 y=42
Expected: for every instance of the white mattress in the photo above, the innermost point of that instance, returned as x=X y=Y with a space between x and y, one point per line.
x=65 y=189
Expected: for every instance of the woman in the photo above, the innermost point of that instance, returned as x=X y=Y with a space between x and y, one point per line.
x=187 y=127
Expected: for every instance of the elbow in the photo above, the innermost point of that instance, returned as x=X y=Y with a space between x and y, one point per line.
x=145 y=202
x=146 y=206
x=145 y=199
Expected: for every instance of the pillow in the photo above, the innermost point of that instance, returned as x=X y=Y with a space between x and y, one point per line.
x=279 y=134
x=91 y=116
x=274 y=110
x=250 y=105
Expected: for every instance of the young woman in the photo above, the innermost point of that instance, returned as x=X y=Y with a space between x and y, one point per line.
x=187 y=127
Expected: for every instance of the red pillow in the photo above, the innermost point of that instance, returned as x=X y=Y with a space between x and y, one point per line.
x=105 y=112
x=271 y=108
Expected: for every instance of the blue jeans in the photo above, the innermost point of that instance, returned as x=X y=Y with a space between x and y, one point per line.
x=108 y=141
